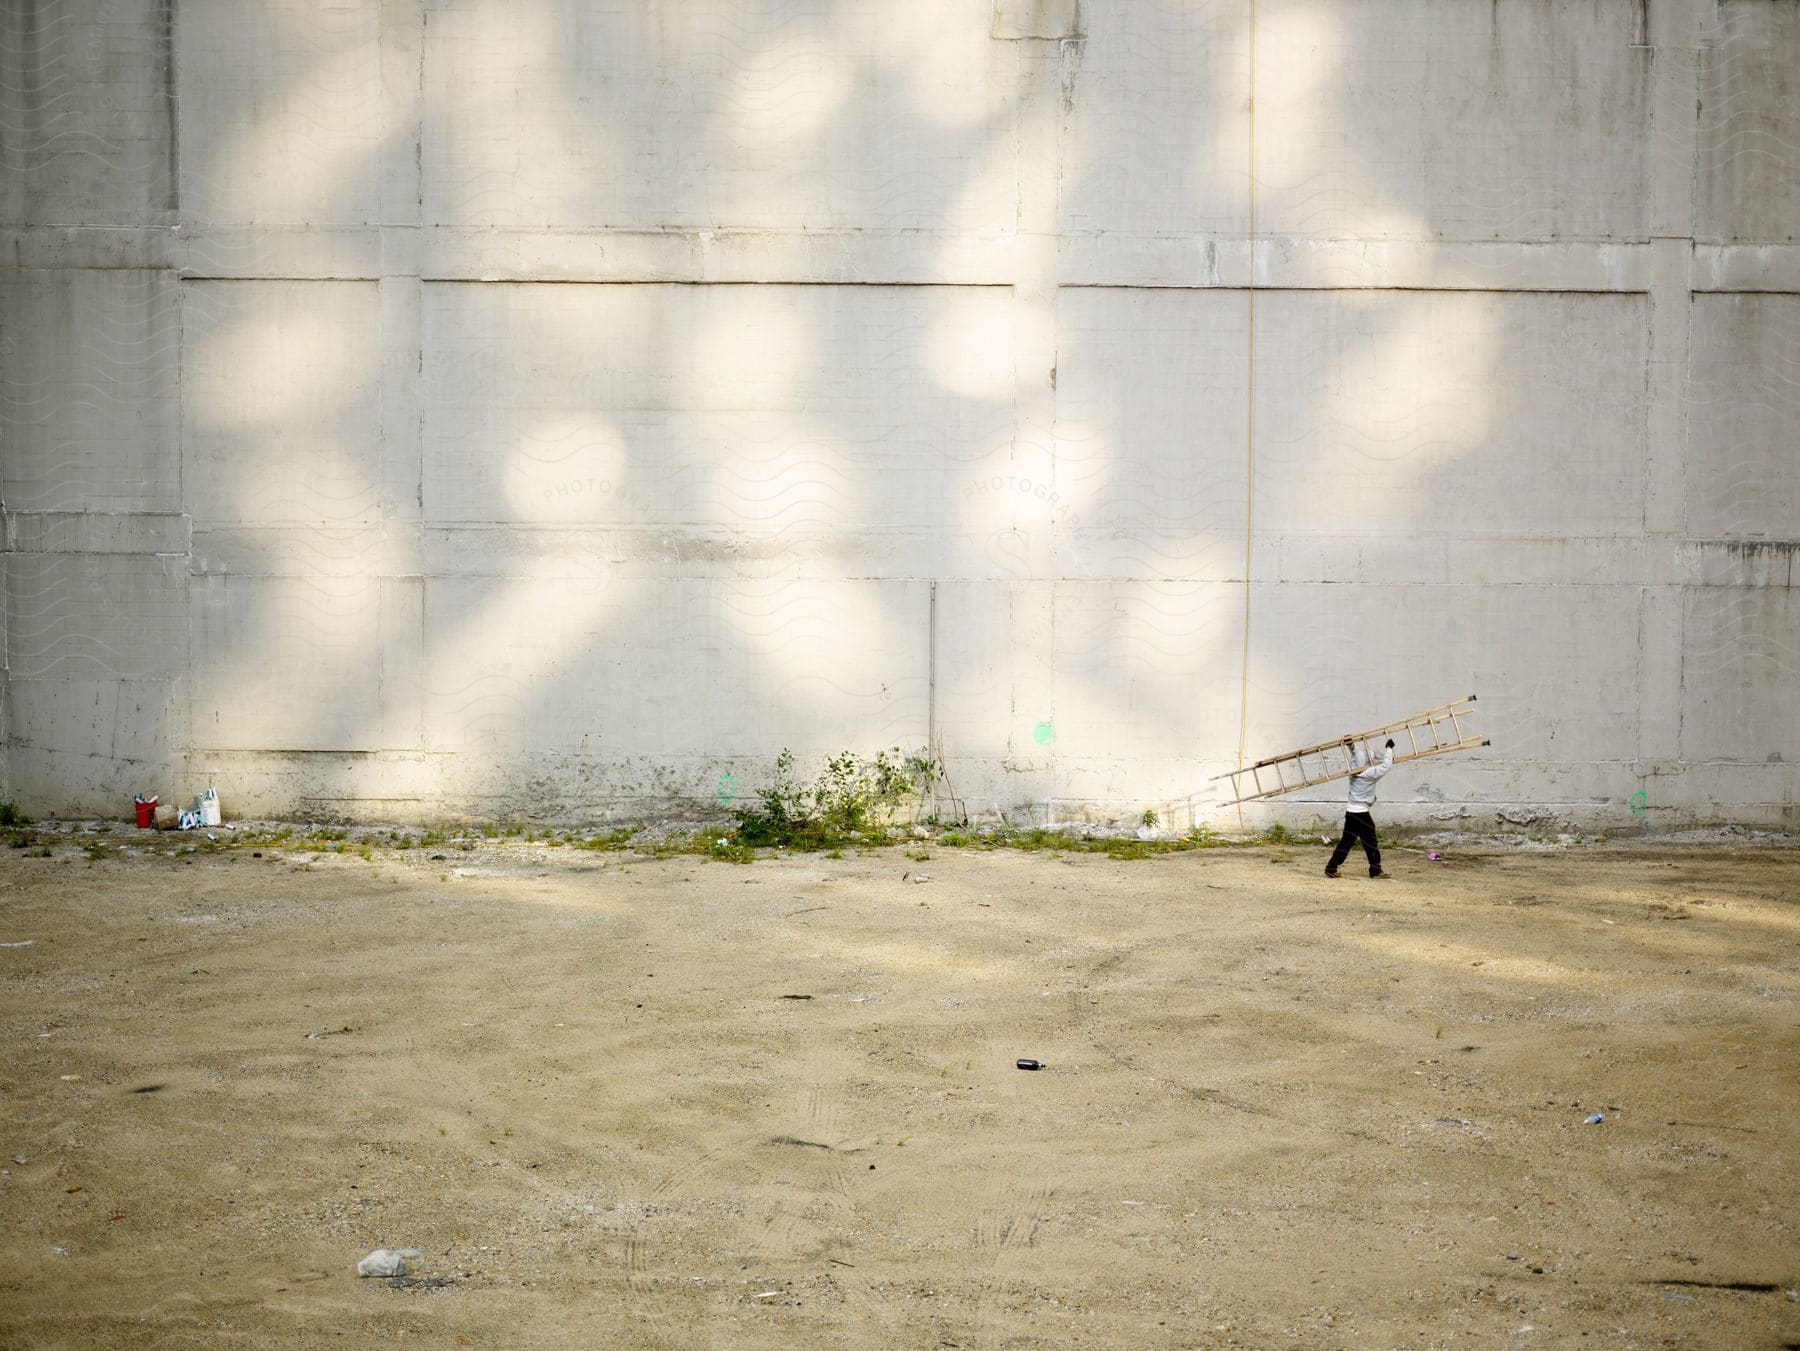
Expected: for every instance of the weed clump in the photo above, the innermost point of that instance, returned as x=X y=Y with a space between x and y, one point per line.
x=851 y=799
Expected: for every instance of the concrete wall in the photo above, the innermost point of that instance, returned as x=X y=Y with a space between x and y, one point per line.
x=413 y=408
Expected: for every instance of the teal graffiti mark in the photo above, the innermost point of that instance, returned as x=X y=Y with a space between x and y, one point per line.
x=1043 y=734
x=727 y=786
x=1639 y=801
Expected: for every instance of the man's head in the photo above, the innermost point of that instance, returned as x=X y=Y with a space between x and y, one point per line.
x=1390 y=744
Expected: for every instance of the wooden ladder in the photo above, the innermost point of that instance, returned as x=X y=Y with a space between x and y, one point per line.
x=1433 y=732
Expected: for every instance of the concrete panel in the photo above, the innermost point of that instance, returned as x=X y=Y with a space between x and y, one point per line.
x=534 y=663
x=85 y=533
x=807 y=115
x=1151 y=415
x=1014 y=19
x=976 y=676
x=1742 y=464
x=1394 y=415
x=1748 y=175
x=87 y=109
x=77 y=783
x=95 y=617
x=133 y=722
x=1740 y=672
x=1142 y=682
x=1441 y=119
x=1373 y=119
x=1556 y=669
x=88 y=391
x=1156 y=140
x=287 y=663
x=282 y=115
x=280 y=401
x=789 y=412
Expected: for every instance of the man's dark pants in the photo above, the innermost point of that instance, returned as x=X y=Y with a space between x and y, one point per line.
x=1359 y=828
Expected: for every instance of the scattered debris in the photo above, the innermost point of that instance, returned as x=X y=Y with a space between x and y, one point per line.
x=794 y=996
x=19 y=1159
x=420 y=1283
x=1747 y=1287
x=149 y=1088
x=334 y=1032
x=1596 y=1119
x=382 y=1262
x=1030 y=1064
x=25 y=944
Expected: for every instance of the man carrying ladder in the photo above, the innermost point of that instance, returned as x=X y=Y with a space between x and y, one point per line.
x=1359 y=823
x=1436 y=731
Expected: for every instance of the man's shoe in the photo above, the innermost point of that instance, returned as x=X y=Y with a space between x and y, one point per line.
x=1331 y=872
x=1379 y=877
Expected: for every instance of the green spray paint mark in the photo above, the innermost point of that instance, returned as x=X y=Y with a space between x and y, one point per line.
x=1043 y=734
x=727 y=787
x=1639 y=801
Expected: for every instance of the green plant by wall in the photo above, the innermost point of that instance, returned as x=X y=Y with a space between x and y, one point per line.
x=850 y=797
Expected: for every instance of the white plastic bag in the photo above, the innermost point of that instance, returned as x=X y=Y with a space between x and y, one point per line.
x=381 y=1262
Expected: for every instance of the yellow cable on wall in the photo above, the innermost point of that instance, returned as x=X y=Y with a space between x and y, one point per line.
x=1249 y=417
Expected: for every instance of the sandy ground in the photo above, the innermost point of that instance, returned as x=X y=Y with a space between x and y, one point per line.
x=679 y=1103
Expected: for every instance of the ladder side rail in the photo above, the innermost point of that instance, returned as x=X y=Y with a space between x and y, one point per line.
x=1431 y=720
x=1467 y=743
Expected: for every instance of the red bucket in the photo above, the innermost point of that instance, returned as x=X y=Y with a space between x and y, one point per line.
x=146 y=812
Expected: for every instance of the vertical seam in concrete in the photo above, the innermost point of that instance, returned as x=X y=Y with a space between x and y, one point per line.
x=165 y=36
x=419 y=125
x=181 y=736
x=1249 y=412
x=931 y=655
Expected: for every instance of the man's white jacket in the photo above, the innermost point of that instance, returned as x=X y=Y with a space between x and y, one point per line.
x=1362 y=784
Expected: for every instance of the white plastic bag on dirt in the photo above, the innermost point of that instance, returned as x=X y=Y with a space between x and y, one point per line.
x=381 y=1262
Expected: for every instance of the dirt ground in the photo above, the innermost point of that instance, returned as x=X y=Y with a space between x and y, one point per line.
x=619 y=1102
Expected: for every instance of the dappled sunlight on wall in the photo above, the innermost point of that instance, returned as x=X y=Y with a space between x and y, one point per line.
x=286 y=122
x=279 y=391
x=489 y=402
